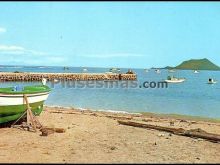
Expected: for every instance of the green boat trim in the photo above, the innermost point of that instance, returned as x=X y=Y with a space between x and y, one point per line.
x=13 y=112
x=27 y=90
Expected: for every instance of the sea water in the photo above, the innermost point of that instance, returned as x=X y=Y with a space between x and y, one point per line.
x=193 y=97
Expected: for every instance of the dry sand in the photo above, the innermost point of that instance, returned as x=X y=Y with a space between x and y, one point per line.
x=96 y=137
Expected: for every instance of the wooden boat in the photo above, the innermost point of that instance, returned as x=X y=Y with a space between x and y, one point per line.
x=211 y=81
x=13 y=105
x=172 y=79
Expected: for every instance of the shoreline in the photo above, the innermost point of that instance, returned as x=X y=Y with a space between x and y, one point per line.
x=153 y=114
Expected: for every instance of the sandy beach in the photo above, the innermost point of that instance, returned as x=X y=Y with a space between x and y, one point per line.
x=97 y=137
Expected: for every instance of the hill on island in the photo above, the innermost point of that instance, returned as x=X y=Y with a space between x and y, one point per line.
x=196 y=64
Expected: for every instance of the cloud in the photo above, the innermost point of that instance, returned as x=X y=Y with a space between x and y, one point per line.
x=53 y=60
x=2 y=30
x=18 y=50
x=11 y=48
x=114 y=55
x=13 y=54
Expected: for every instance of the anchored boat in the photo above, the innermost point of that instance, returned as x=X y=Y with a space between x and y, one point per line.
x=114 y=70
x=172 y=79
x=13 y=104
x=211 y=81
x=85 y=70
x=171 y=70
x=146 y=70
x=157 y=70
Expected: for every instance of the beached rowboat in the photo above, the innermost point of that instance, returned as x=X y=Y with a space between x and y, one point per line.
x=13 y=105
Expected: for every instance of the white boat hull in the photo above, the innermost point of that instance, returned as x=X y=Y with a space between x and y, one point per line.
x=18 y=99
x=212 y=82
x=175 y=81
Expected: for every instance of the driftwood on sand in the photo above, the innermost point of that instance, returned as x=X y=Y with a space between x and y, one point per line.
x=47 y=131
x=196 y=133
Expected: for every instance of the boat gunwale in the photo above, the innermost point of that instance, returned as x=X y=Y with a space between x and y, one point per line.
x=22 y=95
x=46 y=89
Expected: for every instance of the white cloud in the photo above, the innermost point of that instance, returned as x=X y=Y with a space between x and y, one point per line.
x=112 y=55
x=2 y=30
x=19 y=50
x=42 y=61
x=37 y=52
x=12 y=54
x=11 y=48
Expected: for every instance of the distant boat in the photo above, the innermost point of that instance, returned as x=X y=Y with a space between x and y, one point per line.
x=108 y=72
x=211 y=81
x=172 y=79
x=171 y=70
x=146 y=70
x=85 y=70
x=114 y=70
x=55 y=80
x=195 y=71
x=157 y=70
x=65 y=68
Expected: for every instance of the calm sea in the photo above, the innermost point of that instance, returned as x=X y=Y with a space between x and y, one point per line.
x=193 y=97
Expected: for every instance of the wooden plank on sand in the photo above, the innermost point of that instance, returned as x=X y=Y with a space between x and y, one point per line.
x=195 y=133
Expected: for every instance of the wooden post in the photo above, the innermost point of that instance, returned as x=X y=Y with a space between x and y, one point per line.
x=30 y=118
x=32 y=121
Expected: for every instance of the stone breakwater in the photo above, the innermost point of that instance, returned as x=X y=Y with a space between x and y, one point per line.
x=10 y=76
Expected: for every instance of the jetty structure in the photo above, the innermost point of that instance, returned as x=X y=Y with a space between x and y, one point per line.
x=34 y=76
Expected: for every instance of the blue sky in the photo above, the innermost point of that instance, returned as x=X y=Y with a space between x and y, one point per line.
x=108 y=34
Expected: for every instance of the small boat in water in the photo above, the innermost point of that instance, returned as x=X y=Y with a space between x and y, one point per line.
x=195 y=71
x=114 y=70
x=146 y=70
x=157 y=70
x=172 y=79
x=211 y=81
x=85 y=70
x=12 y=101
x=55 y=80
x=171 y=70
x=65 y=68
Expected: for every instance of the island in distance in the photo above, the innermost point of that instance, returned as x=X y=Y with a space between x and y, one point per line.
x=196 y=64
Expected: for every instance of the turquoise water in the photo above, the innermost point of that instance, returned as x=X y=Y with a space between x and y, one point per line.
x=193 y=97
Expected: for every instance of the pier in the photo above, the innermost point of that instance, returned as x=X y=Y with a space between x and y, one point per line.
x=33 y=76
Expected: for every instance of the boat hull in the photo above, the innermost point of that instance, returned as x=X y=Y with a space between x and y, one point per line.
x=212 y=82
x=175 y=81
x=13 y=106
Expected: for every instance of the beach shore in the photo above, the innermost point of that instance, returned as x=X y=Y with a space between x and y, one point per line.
x=97 y=137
